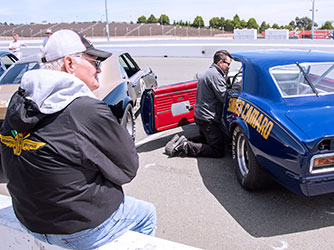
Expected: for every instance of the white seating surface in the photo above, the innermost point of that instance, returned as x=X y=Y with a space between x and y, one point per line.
x=13 y=236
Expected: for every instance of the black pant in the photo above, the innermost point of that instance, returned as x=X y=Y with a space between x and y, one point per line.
x=210 y=142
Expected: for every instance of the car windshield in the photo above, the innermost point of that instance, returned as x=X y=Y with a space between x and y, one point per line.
x=304 y=79
x=15 y=73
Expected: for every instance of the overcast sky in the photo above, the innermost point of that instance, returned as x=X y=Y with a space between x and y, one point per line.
x=52 y=11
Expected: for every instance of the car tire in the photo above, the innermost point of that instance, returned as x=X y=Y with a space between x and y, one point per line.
x=249 y=173
x=128 y=121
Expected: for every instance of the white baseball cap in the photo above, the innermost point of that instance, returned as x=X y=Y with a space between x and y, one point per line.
x=68 y=42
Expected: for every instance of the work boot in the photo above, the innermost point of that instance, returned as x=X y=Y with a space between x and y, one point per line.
x=175 y=146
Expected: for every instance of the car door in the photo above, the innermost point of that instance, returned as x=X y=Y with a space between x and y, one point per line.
x=168 y=106
x=131 y=69
x=137 y=79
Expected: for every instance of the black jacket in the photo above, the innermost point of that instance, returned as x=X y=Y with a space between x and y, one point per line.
x=65 y=170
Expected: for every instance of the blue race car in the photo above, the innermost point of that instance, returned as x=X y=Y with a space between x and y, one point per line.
x=279 y=115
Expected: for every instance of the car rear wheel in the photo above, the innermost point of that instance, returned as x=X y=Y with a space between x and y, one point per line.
x=128 y=121
x=249 y=173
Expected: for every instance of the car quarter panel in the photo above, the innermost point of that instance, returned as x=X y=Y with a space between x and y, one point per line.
x=277 y=150
x=117 y=99
x=282 y=132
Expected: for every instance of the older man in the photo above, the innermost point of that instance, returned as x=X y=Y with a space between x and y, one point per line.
x=65 y=155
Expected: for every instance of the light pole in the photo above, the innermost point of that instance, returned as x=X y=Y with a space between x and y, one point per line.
x=107 y=24
x=312 y=18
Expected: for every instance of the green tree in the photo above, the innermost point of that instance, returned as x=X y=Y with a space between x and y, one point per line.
x=252 y=24
x=327 y=26
x=304 y=23
x=141 y=19
x=181 y=23
x=309 y=26
x=289 y=27
x=228 y=25
x=243 y=24
x=236 y=19
x=215 y=23
x=275 y=26
x=198 y=22
x=152 y=19
x=264 y=26
x=292 y=24
x=164 y=19
x=237 y=25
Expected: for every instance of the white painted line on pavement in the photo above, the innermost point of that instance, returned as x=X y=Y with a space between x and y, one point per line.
x=150 y=138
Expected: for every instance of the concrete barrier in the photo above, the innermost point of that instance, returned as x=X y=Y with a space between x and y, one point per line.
x=13 y=236
x=189 y=47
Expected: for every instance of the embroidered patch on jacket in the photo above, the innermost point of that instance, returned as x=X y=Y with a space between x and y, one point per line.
x=19 y=142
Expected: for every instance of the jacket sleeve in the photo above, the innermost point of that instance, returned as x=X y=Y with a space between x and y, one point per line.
x=218 y=87
x=106 y=145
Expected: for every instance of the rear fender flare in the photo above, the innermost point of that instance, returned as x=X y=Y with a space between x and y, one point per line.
x=126 y=101
x=241 y=123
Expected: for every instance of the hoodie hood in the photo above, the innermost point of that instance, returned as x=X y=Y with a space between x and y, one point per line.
x=53 y=90
x=43 y=92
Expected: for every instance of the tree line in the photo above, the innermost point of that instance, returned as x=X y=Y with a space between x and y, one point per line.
x=303 y=23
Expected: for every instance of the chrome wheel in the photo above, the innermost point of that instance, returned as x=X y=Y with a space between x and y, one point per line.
x=242 y=155
x=249 y=173
x=128 y=121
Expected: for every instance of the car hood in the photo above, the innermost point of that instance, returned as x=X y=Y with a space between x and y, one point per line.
x=316 y=123
x=6 y=91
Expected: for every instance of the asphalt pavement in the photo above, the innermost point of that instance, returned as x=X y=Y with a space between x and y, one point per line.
x=200 y=203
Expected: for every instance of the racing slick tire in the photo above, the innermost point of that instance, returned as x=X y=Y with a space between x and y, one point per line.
x=128 y=121
x=249 y=173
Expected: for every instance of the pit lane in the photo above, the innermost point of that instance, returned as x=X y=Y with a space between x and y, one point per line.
x=199 y=201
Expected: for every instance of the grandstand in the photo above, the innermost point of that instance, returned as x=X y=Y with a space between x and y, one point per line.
x=98 y=29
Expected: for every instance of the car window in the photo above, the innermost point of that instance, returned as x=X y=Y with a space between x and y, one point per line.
x=15 y=73
x=7 y=61
x=2 y=66
x=235 y=75
x=128 y=64
x=294 y=80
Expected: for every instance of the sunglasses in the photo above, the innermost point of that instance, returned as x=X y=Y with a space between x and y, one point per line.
x=96 y=63
x=227 y=63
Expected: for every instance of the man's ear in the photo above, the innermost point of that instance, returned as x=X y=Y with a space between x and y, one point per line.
x=69 y=64
x=219 y=62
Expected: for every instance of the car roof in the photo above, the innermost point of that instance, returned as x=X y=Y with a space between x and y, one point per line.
x=4 y=52
x=258 y=62
x=271 y=58
x=33 y=58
